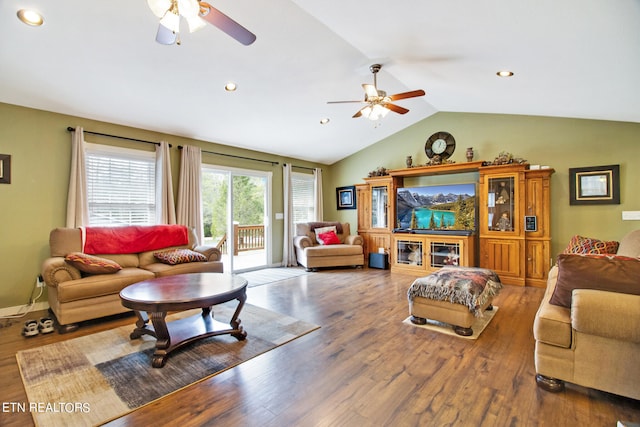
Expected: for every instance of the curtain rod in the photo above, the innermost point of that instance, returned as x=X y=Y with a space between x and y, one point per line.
x=237 y=157
x=303 y=167
x=70 y=129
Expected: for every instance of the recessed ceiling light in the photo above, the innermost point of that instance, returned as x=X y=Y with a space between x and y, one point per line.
x=325 y=121
x=30 y=17
x=230 y=87
x=505 y=73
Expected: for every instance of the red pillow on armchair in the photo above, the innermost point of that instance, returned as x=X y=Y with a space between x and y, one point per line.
x=329 y=238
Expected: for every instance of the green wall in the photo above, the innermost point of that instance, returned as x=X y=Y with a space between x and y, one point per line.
x=35 y=201
x=557 y=142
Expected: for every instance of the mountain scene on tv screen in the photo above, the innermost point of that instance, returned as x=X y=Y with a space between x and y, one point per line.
x=436 y=208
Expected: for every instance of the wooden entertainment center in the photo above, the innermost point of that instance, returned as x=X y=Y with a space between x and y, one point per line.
x=512 y=234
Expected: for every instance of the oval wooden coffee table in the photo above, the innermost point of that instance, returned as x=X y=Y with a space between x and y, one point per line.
x=156 y=297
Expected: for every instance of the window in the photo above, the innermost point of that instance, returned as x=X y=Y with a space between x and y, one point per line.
x=120 y=186
x=303 y=199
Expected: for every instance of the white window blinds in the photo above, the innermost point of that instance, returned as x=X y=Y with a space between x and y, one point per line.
x=120 y=186
x=303 y=200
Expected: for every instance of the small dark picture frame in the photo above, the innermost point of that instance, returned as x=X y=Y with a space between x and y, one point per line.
x=346 y=197
x=530 y=223
x=595 y=185
x=5 y=169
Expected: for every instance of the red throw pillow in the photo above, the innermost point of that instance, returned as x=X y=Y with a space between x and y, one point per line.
x=603 y=272
x=330 y=238
x=92 y=264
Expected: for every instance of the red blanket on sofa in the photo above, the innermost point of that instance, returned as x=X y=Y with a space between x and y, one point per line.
x=132 y=239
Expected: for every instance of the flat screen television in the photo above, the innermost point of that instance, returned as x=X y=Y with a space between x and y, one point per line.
x=447 y=209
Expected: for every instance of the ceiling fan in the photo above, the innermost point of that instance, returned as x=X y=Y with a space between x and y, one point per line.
x=378 y=102
x=197 y=14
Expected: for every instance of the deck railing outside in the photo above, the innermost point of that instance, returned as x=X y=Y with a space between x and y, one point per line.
x=246 y=238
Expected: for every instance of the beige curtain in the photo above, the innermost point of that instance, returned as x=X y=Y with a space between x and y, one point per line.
x=165 y=206
x=77 y=205
x=189 y=197
x=288 y=253
x=317 y=193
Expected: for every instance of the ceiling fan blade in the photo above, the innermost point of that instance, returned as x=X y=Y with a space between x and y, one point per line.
x=358 y=114
x=344 y=102
x=406 y=95
x=226 y=24
x=370 y=90
x=165 y=35
x=396 y=108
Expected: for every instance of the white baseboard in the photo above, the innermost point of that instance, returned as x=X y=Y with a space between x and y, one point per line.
x=18 y=310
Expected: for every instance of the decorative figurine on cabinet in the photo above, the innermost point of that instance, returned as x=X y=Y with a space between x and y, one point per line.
x=504 y=223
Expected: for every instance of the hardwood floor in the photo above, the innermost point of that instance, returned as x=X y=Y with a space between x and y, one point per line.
x=362 y=367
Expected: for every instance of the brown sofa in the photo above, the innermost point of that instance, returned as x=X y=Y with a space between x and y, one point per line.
x=312 y=255
x=76 y=296
x=594 y=342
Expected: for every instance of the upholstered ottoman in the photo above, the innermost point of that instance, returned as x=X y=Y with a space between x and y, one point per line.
x=453 y=295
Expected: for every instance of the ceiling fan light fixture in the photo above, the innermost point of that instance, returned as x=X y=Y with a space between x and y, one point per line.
x=190 y=9
x=159 y=7
x=195 y=23
x=374 y=112
x=171 y=21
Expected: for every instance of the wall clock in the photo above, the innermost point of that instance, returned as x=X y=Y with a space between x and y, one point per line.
x=440 y=143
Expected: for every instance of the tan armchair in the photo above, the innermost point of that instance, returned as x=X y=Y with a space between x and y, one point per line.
x=313 y=255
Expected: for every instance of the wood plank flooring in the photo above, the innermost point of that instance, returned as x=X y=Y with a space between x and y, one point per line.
x=363 y=367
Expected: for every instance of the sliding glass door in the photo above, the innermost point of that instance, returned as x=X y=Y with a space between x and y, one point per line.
x=236 y=212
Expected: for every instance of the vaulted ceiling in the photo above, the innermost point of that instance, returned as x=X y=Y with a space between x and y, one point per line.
x=99 y=60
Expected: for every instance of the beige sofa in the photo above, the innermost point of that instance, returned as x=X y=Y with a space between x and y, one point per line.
x=312 y=255
x=594 y=343
x=75 y=296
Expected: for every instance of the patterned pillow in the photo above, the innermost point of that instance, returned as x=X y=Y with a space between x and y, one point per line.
x=587 y=245
x=329 y=238
x=179 y=256
x=604 y=272
x=323 y=230
x=92 y=264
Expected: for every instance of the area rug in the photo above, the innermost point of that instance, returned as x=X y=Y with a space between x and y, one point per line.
x=93 y=379
x=270 y=275
x=478 y=326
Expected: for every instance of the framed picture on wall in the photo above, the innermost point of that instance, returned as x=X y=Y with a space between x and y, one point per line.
x=346 y=197
x=595 y=185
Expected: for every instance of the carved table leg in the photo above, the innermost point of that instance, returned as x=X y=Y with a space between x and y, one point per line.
x=241 y=334
x=141 y=326
x=163 y=340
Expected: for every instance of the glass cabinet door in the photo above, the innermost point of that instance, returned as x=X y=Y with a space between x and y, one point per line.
x=500 y=204
x=409 y=252
x=443 y=253
x=379 y=205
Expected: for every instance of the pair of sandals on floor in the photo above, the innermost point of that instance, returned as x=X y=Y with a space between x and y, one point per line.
x=34 y=327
